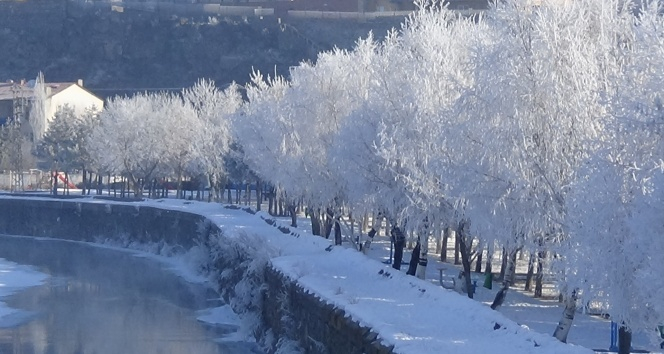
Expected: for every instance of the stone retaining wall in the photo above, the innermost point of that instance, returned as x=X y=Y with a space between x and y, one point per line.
x=286 y=308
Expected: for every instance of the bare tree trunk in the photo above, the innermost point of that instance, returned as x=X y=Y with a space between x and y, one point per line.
x=488 y=268
x=337 y=229
x=478 y=261
x=85 y=182
x=212 y=179
x=414 y=258
x=281 y=206
x=399 y=244
x=565 y=323
x=100 y=181
x=531 y=270
x=329 y=217
x=179 y=194
x=503 y=265
x=539 y=278
x=90 y=174
x=54 y=189
x=66 y=184
x=293 y=214
x=439 y=237
x=365 y=223
x=122 y=187
x=456 y=248
x=446 y=237
x=259 y=194
x=465 y=247
x=507 y=280
x=423 y=241
x=372 y=232
x=315 y=221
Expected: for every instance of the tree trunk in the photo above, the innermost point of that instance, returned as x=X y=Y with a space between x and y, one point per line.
x=488 y=268
x=439 y=238
x=66 y=184
x=457 y=247
x=372 y=232
x=179 y=193
x=531 y=270
x=443 y=250
x=293 y=215
x=423 y=254
x=414 y=259
x=465 y=248
x=478 y=261
x=280 y=203
x=503 y=265
x=315 y=221
x=399 y=244
x=565 y=323
x=539 y=278
x=85 y=182
x=337 y=230
x=259 y=194
x=329 y=217
x=513 y=273
x=507 y=280
x=89 y=182
x=55 y=183
x=212 y=179
x=624 y=340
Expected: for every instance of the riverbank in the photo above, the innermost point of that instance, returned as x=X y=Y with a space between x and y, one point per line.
x=407 y=314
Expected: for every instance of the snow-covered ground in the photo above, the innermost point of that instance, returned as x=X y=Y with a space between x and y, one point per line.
x=541 y=315
x=415 y=316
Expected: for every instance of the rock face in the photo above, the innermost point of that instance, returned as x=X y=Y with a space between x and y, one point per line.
x=115 y=52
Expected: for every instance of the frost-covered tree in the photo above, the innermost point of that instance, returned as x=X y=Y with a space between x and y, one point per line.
x=617 y=253
x=141 y=137
x=211 y=128
x=61 y=148
x=534 y=106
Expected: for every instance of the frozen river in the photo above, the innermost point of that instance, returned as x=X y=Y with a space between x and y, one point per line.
x=99 y=300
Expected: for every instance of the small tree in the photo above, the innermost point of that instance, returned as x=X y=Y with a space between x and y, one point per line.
x=61 y=146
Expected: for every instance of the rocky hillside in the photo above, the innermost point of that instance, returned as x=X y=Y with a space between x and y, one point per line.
x=116 y=51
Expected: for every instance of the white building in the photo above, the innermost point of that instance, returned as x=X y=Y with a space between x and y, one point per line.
x=16 y=94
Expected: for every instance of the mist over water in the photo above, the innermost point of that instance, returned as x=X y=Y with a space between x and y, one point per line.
x=101 y=301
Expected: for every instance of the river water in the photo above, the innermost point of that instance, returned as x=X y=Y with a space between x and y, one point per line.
x=106 y=301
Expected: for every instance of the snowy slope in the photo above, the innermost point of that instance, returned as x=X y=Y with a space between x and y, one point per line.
x=413 y=315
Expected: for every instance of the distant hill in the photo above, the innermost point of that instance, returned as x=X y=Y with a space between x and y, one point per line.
x=119 y=52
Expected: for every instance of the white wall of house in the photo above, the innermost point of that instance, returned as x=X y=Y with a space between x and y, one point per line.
x=76 y=97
